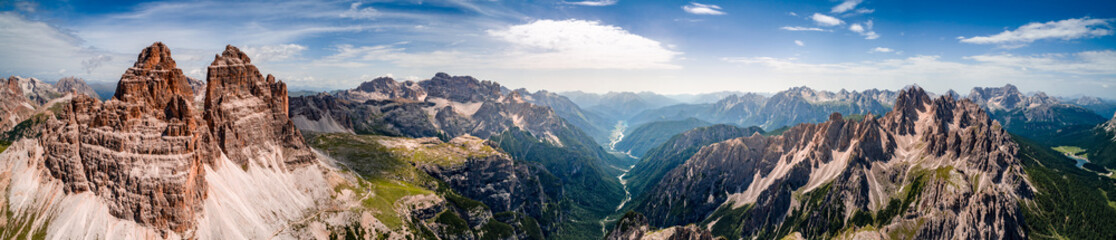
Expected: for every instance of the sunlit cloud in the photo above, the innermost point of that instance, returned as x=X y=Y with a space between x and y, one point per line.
x=826 y=20
x=594 y=3
x=703 y=9
x=1069 y=29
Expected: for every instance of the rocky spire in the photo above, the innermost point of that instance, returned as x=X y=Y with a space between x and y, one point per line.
x=153 y=80
x=248 y=113
x=910 y=102
x=142 y=151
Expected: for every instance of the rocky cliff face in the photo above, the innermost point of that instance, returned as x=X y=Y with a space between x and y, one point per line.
x=1007 y=97
x=1037 y=116
x=149 y=163
x=633 y=226
x=445 y=105
x=74 y=85
x=936 y=168
x=38 y=91
x=595 y=124
x=142 y=151
x=15 y=107
x=248 y=113
x=674 y=152
x=1110 y=126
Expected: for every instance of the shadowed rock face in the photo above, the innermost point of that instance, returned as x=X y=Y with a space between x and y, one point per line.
x=144 y=151
x=247 y=113
x=964 y=164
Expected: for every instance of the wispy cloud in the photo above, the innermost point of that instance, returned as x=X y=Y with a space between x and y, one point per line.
x=881 y=50
x=799 y=43
x=593 y=3
x=703 y=9
x=357 y=12
x=826 y=20
x=35 y=48
x=798 y=28
x=1069 y=29
x=845 y=6
x=273 y=52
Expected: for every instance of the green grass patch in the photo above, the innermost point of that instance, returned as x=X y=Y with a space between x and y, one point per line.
x=384 y=194
x=1071 y=150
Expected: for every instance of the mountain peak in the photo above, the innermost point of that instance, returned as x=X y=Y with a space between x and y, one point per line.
x=231 y=56
x=156 y=57
x=154 y=80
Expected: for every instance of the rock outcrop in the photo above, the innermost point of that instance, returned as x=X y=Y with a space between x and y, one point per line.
x=38 y=91
x=932 y=168
x=74 y=85
x=142 y=151
x=248 y=114
x=1036 y=117
x=444 y=105
x=15 y=107
x=633 y=226
x=146 y=152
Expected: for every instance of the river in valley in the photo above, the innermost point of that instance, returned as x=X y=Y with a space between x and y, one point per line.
x=614 y=138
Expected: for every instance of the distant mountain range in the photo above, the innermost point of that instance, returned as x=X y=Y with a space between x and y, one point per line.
x=454 y=157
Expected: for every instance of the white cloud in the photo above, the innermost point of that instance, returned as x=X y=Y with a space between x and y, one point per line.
x=799 y=43
x=1068 y=29
x=356 y=12
x=881 y=50
x=594 y=3
x=798 y=28
x=856 y=27
x=703 y=9
x=826 y=20
x=542 y=44
x=864 y=30
x=845 y=6
x=273 y=52
x=569 y=44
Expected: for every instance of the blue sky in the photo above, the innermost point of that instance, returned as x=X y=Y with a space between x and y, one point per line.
x=1060 y=47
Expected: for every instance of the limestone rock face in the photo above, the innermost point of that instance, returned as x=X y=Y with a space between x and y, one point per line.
x=957 y=167
x=633 y=226
x=447 y=106
x=247 y=113
x=74 y=85
x=142 y=151
x=15 y=107
x=38 y=91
